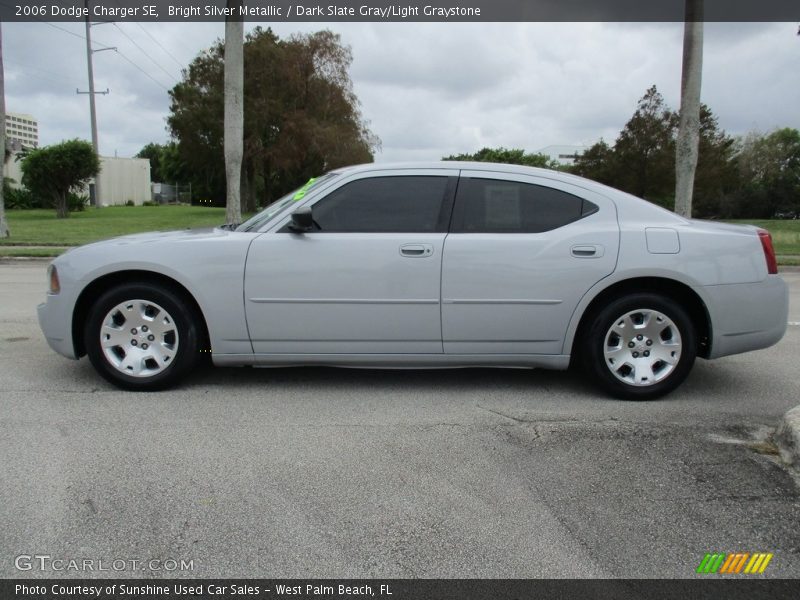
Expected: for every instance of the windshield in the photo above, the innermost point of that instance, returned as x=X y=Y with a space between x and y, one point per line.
x=265 y=216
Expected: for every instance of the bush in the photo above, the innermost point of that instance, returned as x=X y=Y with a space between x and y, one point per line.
x=18 y=198
x=76 y=202
x=130 y=203
x=149 y=203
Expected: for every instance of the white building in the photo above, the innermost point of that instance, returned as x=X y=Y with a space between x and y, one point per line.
x=21 y=131
x=121 y=179
x=124 y=179
x=563 y=155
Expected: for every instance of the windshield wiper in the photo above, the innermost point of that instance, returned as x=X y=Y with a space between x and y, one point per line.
x=230 y=226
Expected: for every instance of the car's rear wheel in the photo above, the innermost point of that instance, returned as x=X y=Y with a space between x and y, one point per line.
x=640 y=347
x=141 y=336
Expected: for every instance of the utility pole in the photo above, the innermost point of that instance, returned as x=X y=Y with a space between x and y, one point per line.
x=688 y=138
x=95 y=198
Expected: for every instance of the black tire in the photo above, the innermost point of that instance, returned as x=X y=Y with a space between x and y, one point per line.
x=616 y=376
x=181 y=340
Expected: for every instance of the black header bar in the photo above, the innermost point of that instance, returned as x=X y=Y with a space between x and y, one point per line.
x=399 y=11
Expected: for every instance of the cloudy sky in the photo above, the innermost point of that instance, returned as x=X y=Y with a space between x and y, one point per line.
x=428 y=90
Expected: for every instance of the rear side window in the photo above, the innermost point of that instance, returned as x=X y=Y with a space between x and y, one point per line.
x=407 y=204
x=496 y=206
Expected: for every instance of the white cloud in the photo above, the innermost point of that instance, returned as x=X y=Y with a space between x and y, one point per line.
x=428 y=89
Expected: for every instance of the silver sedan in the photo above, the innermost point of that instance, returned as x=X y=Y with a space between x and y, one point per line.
x=426 y=265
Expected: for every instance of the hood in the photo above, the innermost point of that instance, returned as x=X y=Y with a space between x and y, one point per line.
x=154 y=237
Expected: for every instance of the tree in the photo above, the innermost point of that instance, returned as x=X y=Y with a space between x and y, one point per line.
x=4 y=231
x=301 y=117
x=57 y=170
x=687 y=144
x=514 y=156
x=155 y=154
x=769 y=166
x=643 y=160
x=716 y=175
x=234 y=114
x=596 y=163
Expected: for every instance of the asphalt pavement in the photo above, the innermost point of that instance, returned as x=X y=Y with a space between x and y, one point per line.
x=316 y=472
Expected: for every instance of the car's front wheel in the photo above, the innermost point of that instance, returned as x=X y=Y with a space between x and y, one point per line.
x=141 y=336
x=640 y=347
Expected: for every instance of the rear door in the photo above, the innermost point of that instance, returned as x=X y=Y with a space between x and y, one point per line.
x=521 y=253
x=366 y=281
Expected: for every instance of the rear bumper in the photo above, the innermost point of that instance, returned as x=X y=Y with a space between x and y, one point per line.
x=747 y=316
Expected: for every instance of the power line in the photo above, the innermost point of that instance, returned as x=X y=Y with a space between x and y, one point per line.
x=138 y=68
x=54 y=26
x=167 y=52
x=51 y=76
x=72 y=33
x=142 y=50
x=42 y=78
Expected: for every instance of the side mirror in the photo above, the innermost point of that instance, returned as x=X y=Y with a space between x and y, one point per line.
x=302 y=220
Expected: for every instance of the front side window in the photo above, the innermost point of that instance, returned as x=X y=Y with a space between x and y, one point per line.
x=402 y=204
x=265 y=216
x=497 y=206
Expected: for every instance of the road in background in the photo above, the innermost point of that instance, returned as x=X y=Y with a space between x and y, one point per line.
x=315 y=472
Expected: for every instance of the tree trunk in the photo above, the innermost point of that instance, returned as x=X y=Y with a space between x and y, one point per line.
x=234 y=114
x=686 y=146
x=4 y=231
x=62 y=210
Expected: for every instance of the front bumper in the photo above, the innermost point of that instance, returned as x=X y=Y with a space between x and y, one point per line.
x=56 y=323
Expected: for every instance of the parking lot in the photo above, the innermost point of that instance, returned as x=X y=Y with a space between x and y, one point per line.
x=316 y=472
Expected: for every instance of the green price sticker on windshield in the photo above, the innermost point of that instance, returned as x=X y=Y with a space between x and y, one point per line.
x=302 y=191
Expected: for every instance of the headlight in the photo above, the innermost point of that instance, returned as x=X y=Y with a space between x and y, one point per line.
x=52 y=275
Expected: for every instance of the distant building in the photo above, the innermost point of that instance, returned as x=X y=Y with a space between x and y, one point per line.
x=122 y=180
x=22 y=131
x=563 y=155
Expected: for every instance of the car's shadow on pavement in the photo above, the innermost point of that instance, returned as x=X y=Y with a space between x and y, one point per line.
x=723 y=380
x=412 y=380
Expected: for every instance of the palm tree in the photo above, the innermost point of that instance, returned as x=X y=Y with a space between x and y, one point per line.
x=4 y=231
x=234 y=113
x=686 y=146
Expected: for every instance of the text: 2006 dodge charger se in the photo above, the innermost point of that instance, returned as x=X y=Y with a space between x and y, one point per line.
x=426 y=265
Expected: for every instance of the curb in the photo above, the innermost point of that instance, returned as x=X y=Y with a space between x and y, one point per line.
x=787 y=437
x=15 y=259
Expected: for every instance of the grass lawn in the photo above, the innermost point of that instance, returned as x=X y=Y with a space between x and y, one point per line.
x=42 y=228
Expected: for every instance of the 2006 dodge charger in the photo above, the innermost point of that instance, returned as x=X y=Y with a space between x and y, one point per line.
x=426 y=265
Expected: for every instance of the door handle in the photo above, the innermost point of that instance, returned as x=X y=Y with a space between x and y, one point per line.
x=587 y=251
x=416 y=250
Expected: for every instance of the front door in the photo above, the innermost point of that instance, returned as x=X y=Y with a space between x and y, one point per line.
x=366 y=280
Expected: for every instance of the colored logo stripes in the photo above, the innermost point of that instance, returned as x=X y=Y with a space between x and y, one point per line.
x=735 y=562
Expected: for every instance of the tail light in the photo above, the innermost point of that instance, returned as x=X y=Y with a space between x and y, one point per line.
x=769 y=251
